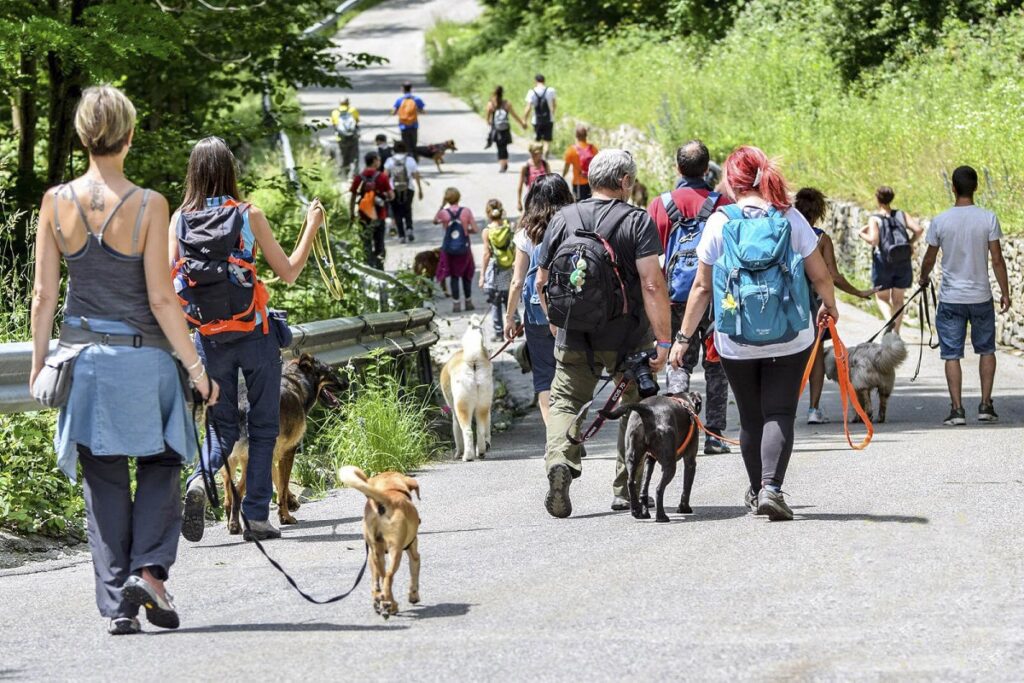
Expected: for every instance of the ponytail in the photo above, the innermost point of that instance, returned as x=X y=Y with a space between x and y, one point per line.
x=748 y=169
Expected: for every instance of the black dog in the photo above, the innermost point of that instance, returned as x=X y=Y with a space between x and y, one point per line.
x=657 y=429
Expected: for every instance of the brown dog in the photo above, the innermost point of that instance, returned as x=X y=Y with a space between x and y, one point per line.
x=390 y=525
x=425 y=265
x=304 y=381
x=436 y=152
x=639 y=195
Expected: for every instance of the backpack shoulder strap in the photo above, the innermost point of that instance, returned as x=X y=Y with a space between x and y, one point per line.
x=732 y=212
x=455 y=215
x=708 y=207
x=671 y=208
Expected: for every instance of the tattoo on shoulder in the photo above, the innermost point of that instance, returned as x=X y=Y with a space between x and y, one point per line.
x=97 y=202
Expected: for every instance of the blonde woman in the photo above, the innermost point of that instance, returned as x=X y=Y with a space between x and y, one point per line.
x=126 y=399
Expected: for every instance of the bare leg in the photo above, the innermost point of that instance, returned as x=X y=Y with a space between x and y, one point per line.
x=884 y=300
x=544 y=403
x=898 y=297
x=955 y=382
x=987 y=367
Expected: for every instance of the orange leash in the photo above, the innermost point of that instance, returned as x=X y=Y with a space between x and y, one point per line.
x=847 y=394
x=700 y=425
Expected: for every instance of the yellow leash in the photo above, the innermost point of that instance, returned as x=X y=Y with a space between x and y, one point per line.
x=324 y=257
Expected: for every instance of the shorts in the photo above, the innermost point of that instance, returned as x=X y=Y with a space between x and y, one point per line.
x=581 y=192
x=951 y=324
x=886 y=276
x=541 y=345
x=543 y=131
x=502 y=139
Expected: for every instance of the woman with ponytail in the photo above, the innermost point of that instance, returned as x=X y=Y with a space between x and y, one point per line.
x=765 y=377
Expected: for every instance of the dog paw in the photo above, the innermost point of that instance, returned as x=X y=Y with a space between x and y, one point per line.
x=662 y=518
x=685 y=509
x=468 y=457
x=234 y=528
x=293 y=502
x=414 y=597
x=645 y=514
x=288 y=519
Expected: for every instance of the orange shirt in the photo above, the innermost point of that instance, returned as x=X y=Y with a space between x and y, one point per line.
x=572 y=157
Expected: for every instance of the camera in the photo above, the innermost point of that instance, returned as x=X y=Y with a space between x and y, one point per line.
x=638 y=369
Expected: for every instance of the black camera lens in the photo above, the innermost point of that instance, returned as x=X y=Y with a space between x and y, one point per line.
x=638 y=365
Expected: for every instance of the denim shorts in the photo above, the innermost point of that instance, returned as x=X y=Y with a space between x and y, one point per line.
x=542 y=355
x=951 y=324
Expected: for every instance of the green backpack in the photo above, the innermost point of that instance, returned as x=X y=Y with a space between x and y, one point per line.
x=502 y=248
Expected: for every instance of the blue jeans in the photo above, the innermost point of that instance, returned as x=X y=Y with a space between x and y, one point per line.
x=951 y=324
x=259 y=358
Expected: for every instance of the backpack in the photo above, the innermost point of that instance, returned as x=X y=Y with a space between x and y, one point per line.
x=408 y=112
x=501 y=119
x=399 y=173
x=533 y=312
x=215 y=275
x=760 y=290
x=502 y=249
x=585 y=289
x=346 y=127
x=586 y=155
x=681 y=251
x=893 y=241
x=543 y=108
x=456 y=240
x=368 y=195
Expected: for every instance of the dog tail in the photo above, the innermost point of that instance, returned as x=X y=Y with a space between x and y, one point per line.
x=355 y=478
x=645 y=411
x=893 y=352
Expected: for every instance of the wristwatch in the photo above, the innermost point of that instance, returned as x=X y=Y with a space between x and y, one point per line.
x=682 y=338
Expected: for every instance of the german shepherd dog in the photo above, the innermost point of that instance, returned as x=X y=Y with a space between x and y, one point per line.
x=304 y=381
x=657 y=429
x=436 y=152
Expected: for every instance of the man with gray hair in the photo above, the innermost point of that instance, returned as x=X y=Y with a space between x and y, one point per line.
x=599 y=338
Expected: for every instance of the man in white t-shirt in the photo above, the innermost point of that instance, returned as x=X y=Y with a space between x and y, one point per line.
x=403 y=170
x=967 y=235
x=541 y=103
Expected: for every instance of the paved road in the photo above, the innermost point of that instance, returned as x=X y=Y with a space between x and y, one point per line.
x=904 y=561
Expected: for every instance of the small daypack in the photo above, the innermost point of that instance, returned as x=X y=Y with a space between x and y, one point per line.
x=408 y=112
x=681 y=252
x=456 y=239
x=399 y=173
x=543 y=108
x=501 y=121
x=215 y=276
x=760 y=290
x=585 y=289
x=893 y=240
x=502 y=249
x=533 y=312
x=586 y=154
x=347 y=127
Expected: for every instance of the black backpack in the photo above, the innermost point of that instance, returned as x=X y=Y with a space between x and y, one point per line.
x=543 y=109
x=585 y=289
x=893 y=240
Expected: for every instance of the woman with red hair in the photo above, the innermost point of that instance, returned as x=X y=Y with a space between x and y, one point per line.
x=764 y=377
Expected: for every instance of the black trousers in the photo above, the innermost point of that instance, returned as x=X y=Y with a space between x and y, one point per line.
x=401 y=211
x=373 y=241
x=410 y=136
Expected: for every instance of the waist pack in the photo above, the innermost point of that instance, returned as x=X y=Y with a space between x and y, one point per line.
x=456 y=241
x=760 y=290
x=502 y=249
x=585 y=289
x=893 y=240
x=681 y=251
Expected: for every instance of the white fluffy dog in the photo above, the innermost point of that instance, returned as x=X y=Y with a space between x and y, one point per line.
x=467 y=382
x=872 y=366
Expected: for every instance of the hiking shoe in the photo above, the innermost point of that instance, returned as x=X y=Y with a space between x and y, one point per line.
x=715 y=446
x=469 y=305
x=957 y=417
x=123 y=626
x=815 y=416
x=456 y=307
x=750 y=500
x=772 y=504
x=261 y=531
x=159 y=611
x=557 y=502
x=987 y=413
x=193 y=518
x=620 y=503
x=411 y=238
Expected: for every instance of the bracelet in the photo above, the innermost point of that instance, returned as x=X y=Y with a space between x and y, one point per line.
x=189 y=369
x=193 y=381
x=662 y=344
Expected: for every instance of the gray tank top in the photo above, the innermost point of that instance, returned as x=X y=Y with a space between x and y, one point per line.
x=102 y=282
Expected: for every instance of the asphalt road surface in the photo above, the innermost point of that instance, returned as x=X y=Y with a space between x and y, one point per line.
x=904 y=561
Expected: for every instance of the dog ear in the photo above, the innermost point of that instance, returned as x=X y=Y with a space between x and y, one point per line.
x=412 y=485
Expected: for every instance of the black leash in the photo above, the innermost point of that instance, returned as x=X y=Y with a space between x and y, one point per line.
x=210 y=484
x=602 y=414
x=924 y=315
x=889 y=323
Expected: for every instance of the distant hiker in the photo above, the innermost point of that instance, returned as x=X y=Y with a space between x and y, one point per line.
x=403 y=170
x=345 y=120
x=456 y=262
x=891 y=234
x=384 y=149
x=577 y=157
x=499 y=111
x=541 y=102
x=968 y=236
x=535 y=167
x=810 y=202
x=408 y=108
x=370 y=193
x=126 y=401
x=681 y=216
x=499 y=257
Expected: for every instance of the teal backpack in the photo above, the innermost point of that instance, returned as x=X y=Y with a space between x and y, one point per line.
x=761 y=293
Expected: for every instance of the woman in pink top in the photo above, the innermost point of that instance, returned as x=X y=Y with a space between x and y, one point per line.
x=532 y=169
x=456 y=261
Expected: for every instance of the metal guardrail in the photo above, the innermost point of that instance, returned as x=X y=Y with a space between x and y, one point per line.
x=336 y=341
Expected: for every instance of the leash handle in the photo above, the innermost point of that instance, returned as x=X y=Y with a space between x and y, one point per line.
x=519 y=331
x=847 y=393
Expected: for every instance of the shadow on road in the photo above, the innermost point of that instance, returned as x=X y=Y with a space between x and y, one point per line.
x=455 y=531
x=310 y=524
x=258 y=628
x=443 y=609
x=860 y=517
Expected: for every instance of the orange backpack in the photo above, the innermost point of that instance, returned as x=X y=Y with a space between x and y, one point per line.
x=408 y=112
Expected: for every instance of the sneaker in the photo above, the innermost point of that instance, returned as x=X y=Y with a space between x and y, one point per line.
x=411 y=238
x=715 y=446
x=469 y=305
x=750 y=500
x=987 y=413
x=193 y=518
x=815 y=416
x=772 y=504
x=957 y=417
x=123 y=626
x=557 y=502
x=159 y=610
x=261 y=531
x=401 y=240
x=456 y=307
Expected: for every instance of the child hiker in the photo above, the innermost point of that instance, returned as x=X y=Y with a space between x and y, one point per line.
x=499 y=257
x=456 y=262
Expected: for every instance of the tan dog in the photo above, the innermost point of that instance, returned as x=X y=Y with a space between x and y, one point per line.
x=425 y=265
x=467 y=382
x=390 y=525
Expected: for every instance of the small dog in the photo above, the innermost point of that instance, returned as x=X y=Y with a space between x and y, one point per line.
x=425 y=265
x=304 y=381
x=436 y=152
x=639 y=196
x=467 y=382
x=658 y=426
x=872 y=366
x=390 y=526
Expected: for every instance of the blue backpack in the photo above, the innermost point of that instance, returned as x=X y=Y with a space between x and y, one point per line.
x=760 y=290
x=456 y=241
x=681 y=251
x=531 y=297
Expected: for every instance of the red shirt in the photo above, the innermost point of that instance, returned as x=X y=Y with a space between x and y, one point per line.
x=688 y=200
x=381 y=187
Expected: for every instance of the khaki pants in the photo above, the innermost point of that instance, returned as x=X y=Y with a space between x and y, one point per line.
x=574 y=385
